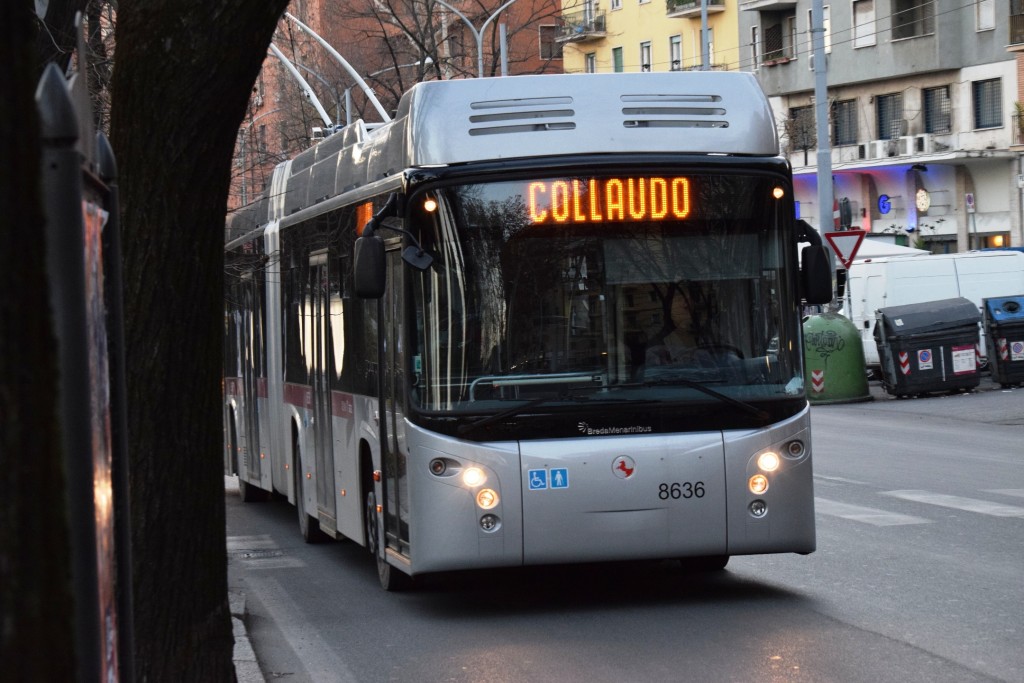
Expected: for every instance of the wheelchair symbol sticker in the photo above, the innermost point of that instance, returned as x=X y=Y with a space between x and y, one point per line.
x=538 y=479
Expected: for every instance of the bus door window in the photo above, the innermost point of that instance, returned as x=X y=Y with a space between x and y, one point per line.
x=393 y=446
x=320 y=379
x=250 y=378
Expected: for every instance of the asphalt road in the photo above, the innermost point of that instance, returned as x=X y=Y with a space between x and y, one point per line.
x=918 y=576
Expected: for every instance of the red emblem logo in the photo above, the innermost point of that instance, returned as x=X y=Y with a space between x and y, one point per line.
x=623 y=467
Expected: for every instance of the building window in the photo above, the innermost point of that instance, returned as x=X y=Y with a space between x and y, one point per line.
x=912 y=18
x=800 y=130
x=985 y=14
x=827 y=23
x=698 y=42
x=863 y=23
x=549 y=47
x=987 y=96
x=645 y=55
x=590 y=63
x=937 y=110
x=844 y=122
x=675 y=53
x=889 y=112
x=779 y=35
x=617 y=60
x=755 y=37
x=616 y=4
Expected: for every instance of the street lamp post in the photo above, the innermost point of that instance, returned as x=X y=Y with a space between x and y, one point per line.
x=478 y=35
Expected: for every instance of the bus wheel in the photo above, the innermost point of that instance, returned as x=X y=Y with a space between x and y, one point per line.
x=391 y=579
x=246 y=491
x=249 y=493
x=309 y=526
x=709 y=563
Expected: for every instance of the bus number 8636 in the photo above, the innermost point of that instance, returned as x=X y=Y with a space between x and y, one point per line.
x=676 y=490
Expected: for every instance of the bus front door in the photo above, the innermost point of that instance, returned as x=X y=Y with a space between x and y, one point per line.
x=393 y=444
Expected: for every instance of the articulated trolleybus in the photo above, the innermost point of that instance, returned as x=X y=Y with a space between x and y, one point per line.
x=532 y=320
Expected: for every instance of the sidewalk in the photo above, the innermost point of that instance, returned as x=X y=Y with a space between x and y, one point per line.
x=247 y=669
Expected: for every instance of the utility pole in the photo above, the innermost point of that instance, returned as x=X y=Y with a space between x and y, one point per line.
x=825 y=199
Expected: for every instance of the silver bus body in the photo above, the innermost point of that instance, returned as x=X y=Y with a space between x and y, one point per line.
x=296 y=426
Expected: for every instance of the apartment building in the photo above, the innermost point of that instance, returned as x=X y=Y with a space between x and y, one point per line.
x=602 y=36
x=922 y=102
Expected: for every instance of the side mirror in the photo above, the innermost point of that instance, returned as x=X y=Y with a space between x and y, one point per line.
x=369 y=266
x=815 y=275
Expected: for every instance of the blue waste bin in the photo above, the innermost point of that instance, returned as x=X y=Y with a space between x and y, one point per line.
x=1004 y=331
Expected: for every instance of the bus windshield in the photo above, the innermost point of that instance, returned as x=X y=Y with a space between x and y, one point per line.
x=654 y=289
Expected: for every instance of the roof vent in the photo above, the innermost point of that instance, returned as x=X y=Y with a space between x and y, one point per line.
x=521 y=115
x=673 y=111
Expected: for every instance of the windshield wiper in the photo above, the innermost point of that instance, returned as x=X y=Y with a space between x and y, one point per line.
x=689 y=383
x=523 y=407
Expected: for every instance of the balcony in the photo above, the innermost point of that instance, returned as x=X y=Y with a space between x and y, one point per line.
x=767 y=5
x=581 y=27
x=685 y=9
x=1016 y=25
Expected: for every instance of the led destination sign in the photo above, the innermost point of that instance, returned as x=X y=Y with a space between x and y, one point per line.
x=602 y=200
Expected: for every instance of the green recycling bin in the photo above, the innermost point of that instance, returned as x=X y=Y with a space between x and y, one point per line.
x=834 y=368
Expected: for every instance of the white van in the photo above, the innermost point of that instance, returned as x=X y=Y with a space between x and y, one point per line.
x=896 y=280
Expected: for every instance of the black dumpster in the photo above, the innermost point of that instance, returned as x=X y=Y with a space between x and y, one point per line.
x=1004 y=330
x=928 y=347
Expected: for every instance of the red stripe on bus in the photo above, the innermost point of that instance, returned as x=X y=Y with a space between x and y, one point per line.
x=342 y=405
x=298 y=395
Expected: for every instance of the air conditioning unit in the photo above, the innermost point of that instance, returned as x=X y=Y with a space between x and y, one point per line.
x=924 y=144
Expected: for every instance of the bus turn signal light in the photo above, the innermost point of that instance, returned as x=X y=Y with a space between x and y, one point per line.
x=758 y=484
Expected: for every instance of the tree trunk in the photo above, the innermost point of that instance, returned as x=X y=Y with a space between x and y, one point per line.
x=184 y=73
x=36 y=634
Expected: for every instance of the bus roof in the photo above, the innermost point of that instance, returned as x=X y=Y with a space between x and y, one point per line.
x=440 y=123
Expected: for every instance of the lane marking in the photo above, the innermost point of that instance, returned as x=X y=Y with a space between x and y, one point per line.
x=867 y=515
x=1018 y=493
x=303 y=635
x=841 y=480
x=983 y=507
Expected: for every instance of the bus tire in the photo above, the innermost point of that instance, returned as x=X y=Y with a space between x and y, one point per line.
x=706 y=564
x=309 y=526
x=391 y=579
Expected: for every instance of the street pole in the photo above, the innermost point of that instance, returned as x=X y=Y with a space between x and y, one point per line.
x=825 y=213
x=705 y=52
x=479 y=35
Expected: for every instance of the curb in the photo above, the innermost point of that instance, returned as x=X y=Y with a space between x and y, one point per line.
x=247 y=669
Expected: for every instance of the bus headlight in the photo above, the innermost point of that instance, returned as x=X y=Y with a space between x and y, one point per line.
x=768 y=462
x=758 y=484
x=487 y=498
x=758 y=508
x=490 y=523
x=473 y=477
